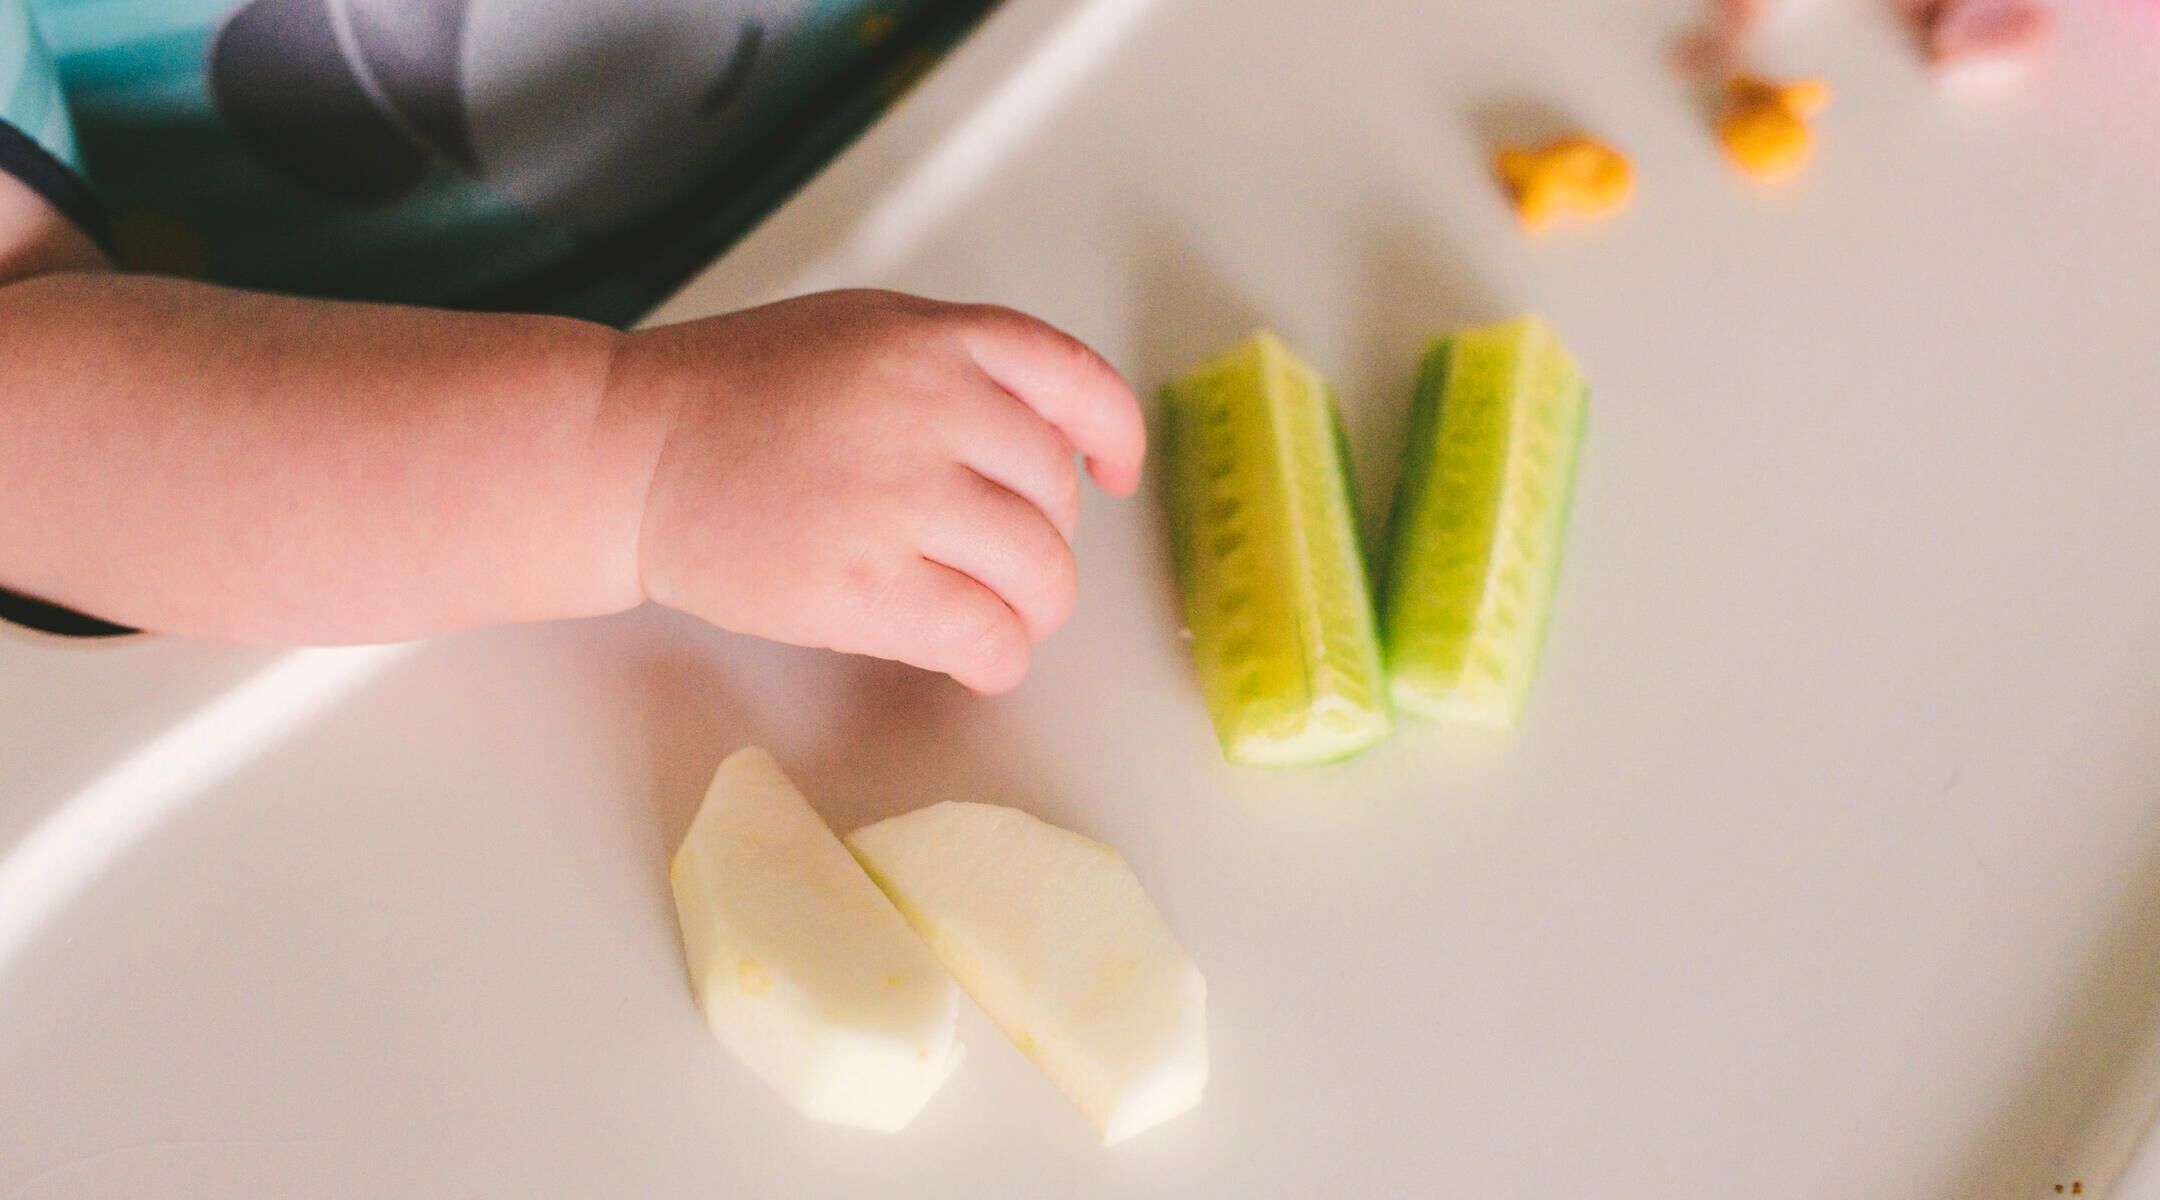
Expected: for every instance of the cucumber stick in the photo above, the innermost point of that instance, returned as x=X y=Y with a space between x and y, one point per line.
x=1480 y=515
x=1265 y=534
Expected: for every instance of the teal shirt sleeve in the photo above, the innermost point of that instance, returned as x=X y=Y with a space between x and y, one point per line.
x=29 y=90
x=37 y=141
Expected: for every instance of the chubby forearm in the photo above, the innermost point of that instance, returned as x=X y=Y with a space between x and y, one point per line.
x=225 y=464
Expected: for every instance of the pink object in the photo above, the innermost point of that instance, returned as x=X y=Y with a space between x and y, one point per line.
x=1999 y=36
x=1717 y=43
x=1984 y=39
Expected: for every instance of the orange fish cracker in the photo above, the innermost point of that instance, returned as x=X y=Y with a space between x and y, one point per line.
x=1765 y=127
x=1573 y=174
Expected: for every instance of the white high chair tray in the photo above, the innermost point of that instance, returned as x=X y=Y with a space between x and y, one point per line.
x=1826 y=862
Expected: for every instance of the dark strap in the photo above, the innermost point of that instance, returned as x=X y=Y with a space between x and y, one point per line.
x=51 y=618
x=57 y=182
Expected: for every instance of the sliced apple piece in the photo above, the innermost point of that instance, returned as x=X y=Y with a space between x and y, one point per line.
x=804 y=970
x=1052 y=935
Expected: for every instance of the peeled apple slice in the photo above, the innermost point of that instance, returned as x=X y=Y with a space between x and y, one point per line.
x=1480 y=517
x=804 y=970
x=1052 y=935
x=1265 y=533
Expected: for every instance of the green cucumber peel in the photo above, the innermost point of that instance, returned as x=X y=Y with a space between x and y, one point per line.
x=1263 y=529
x=1479 y=523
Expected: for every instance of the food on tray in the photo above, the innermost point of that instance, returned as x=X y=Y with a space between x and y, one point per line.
x=1573 y=174
x=804 y=970
x=1765 y=127
x=1480 y=518
x=1265 y=534
x=1052 y=935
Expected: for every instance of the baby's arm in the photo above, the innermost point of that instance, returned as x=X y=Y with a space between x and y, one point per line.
x=220 y=463
x=862 y=471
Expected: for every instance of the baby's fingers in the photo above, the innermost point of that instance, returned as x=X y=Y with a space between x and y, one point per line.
x=1006 y=443
x=1070 y=385
x=1008 y=545
x=940 y=620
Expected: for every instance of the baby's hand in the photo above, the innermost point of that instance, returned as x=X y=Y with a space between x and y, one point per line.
x=877 y=474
